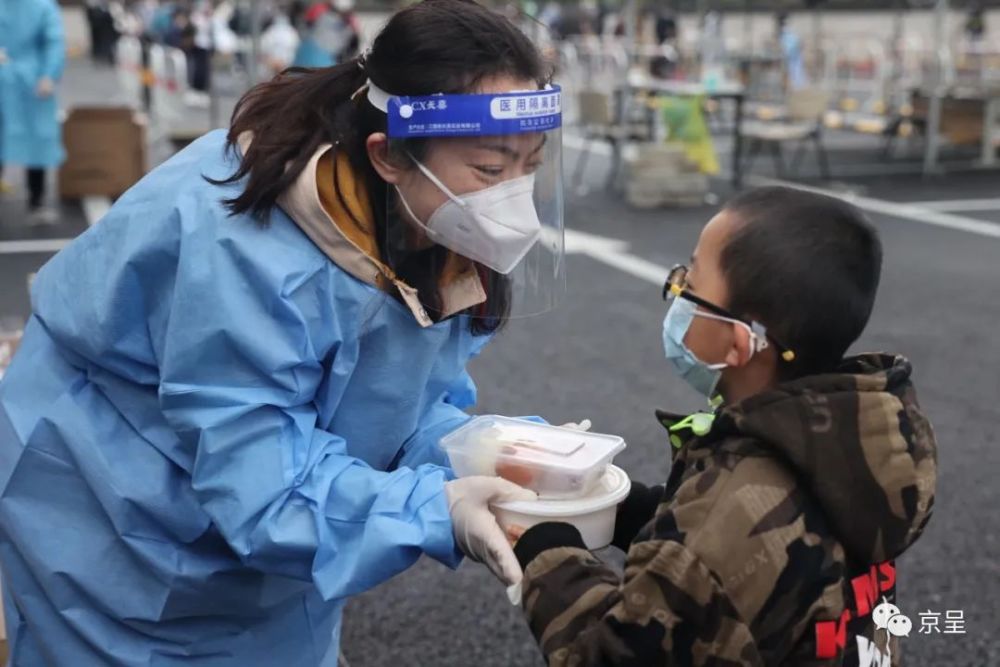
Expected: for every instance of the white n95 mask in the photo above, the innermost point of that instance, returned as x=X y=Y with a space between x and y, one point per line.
x=496 y=226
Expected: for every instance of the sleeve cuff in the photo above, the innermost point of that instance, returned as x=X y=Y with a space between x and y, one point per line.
x=439 y=542
x=635 y=512
x=545 y=536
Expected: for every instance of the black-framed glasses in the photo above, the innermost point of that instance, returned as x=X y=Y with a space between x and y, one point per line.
x=676 y=286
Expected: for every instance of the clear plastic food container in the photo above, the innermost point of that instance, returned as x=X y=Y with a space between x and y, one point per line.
x=553 y=461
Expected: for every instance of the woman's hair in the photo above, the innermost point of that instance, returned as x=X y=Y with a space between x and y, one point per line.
x=435 y=46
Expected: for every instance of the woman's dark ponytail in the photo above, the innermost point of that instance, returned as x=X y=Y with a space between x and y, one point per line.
x=290 y=117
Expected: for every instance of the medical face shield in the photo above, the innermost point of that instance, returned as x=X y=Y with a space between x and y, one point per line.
x=475 y=221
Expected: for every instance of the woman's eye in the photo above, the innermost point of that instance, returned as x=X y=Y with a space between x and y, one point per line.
x=492 y=172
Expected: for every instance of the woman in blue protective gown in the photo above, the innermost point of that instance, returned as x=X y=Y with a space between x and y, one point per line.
x=224 y=416
x=310 y=53
x=32 y=54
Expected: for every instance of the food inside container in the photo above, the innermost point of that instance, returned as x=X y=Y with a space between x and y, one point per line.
x=553 y=461
x=593 y=514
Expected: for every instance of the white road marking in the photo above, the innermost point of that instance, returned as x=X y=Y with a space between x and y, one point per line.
x=614 y=253
x=898 y=209
x=960 y=205
x=33 y=246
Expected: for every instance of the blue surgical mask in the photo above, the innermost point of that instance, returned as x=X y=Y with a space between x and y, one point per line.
x=704 y=377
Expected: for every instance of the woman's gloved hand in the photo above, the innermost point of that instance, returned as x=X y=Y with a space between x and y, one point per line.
x=581 y=426
x=476 y=530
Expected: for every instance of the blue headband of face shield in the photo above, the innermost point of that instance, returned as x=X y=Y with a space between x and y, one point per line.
x=471 y=115
x=508 y=220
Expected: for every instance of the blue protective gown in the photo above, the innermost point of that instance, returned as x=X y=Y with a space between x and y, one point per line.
x=791 y=47
x=212 y=436
x=311 y=54
x=31 y=35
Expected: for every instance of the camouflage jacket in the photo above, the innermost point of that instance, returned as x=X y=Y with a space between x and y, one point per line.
x=773 y=540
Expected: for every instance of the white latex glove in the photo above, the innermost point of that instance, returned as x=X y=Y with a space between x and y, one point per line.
x=582 y=426
x=514 y=594
x=477 y=532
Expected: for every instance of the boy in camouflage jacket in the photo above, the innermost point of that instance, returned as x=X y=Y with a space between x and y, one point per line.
x=774 y=537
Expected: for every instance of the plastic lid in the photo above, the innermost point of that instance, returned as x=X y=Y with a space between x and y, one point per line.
x=611 y=490
x=530 y=443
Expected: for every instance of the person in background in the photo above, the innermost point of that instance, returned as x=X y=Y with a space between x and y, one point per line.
x=279 y=44
x=664 y=64
x=975 y=22
x=200 y=48
x=103 y=33
x=162 y=22
x=665 y=26
x=578 y=20
x=179 y=34
x=336 y=28
x=310 y=52
x=145 y=11
x=32 y=55
x=225 y=42
x=791 y=51
x=345 y=10
x=93 y=14
x=550 y=16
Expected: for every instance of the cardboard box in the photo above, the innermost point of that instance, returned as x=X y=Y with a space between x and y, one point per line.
x=106 y=151
x=961 y=118
x=680 y=190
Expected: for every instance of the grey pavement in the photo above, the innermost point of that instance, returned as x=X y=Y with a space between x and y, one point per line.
x=599 y=356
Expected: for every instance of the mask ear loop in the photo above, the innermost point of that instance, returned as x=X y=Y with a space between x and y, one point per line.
x=758 y=333
x=758 y=338
x=409 y=211
x=437 y=182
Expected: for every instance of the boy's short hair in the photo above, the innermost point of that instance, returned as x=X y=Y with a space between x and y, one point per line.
x=807 y=267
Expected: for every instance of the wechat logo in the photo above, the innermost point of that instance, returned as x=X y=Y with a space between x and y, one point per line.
x=888 y=619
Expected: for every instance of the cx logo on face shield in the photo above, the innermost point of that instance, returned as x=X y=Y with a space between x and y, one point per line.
x=407 y=110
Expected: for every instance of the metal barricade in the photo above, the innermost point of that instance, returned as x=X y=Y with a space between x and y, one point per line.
x=168 y=67
x=129 y=68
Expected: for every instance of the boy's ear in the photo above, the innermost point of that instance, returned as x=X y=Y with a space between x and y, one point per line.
x=741 y=351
